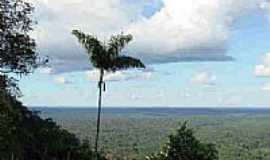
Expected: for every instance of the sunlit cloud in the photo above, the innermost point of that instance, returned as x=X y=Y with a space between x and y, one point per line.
x=179 y=31
x=93 y=75
x=62 y=80
x=263 y=70
x=266 y=87
x=204 y=78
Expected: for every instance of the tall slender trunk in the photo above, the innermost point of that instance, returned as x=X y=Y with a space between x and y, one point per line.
x=99 y=110
x=68 y=155
x=12 y=156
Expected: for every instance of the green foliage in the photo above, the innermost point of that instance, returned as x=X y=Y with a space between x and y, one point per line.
x=9 y=85
x=25 y=136
x=185 y=146
x=117 y=43
x=107 y=56
x=133 y=134
x=17 y=48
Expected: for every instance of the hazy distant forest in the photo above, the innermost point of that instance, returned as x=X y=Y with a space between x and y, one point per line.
x=238 y=134
x=27 y=134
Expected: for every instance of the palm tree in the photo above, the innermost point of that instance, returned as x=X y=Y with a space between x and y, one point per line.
x=106 y=57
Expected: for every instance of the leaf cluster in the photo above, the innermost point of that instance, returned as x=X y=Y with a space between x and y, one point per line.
x=185 y=146
x=107 y=56
x=17 y=49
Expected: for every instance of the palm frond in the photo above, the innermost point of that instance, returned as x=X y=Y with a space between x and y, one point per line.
x=96 y=50
x=117 y=43
x=88 y=41
x=107 y=57
x=125 y=62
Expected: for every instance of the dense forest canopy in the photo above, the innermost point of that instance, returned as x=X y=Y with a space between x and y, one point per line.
x=26 y=136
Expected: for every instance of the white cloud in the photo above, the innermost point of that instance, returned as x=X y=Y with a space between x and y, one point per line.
x=62 y=80
x=189 y=30
x=204 y=78
x=180 y=31
x=57 y=18
x=93 y=75
x=136 y=97
x=45 y=70
x=266 y=87
x=265 y=6
x=263 y=70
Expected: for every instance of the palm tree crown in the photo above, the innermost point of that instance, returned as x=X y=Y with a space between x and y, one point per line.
x=107 y=56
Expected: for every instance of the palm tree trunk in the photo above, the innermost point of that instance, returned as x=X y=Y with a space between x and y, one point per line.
x=68 y=155
x=99 y=111
x=12 y=156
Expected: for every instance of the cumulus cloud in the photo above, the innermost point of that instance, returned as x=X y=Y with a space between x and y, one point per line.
x=93 y=75
x=204 y=78
x=263 y=70
x=56 y=20
x=189 y=30
x=180 y=31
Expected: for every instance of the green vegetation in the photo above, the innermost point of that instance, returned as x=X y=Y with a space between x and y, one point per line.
x=25 y=136
x=17 y=48
x=183 y=145
x=106 y=57
x=134 y=134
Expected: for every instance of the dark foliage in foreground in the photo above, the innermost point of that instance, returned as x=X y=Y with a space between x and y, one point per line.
x=185 y=146
x=25 y=136
x=17 y=49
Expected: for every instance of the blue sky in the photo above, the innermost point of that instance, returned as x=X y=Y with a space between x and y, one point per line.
x=198 y=54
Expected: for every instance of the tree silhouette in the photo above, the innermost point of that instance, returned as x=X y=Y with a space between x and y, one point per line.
x=106 y=57
x=17 y=49
x=25 y=135
x=183 y=145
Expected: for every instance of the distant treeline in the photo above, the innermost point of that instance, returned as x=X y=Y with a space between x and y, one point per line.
x=134 y=134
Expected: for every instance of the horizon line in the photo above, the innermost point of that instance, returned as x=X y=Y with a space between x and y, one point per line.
x=163 y=107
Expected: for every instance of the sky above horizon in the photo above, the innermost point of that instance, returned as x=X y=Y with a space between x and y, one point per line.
x=211 y=53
